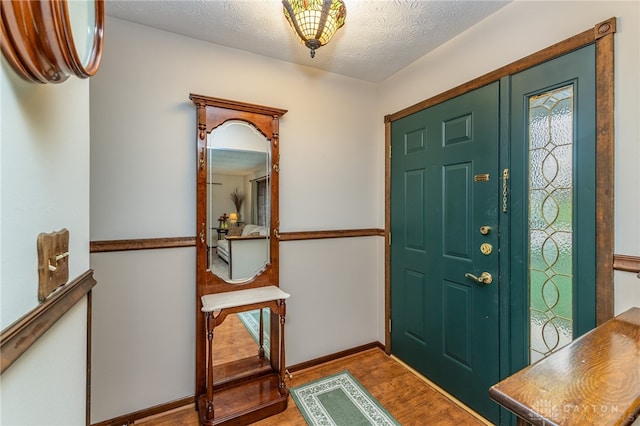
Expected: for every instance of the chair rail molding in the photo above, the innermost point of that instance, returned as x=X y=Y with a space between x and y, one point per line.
x=174 y=242
x=22 y=334
x=627 y=263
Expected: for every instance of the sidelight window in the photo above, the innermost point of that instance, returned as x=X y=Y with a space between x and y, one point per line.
x=551 y=227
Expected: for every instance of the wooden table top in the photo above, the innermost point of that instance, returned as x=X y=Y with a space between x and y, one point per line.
x=594 y=380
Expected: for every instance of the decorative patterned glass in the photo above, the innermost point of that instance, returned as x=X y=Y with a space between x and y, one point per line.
x=550 y=127
x=315 y=21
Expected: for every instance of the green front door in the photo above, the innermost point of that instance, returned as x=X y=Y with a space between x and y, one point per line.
x=498 y=181
x=445 y=203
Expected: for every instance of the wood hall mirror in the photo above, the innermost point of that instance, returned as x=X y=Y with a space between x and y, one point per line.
x=237 y=152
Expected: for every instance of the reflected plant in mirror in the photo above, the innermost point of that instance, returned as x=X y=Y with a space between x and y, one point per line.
x=237 y=198
x=238 y=157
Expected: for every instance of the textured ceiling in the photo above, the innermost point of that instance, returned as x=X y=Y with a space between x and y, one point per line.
x=379 y=38
x=230 y=162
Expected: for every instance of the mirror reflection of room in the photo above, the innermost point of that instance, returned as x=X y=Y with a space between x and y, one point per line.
x=238 y=202
x=238 y=337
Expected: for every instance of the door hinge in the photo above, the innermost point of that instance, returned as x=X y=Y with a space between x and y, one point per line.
x=389 y=325
x=389 y=151
x=389 y=237
x=505 y=178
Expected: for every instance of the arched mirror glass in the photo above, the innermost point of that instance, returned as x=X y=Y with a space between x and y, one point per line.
x=238 y=201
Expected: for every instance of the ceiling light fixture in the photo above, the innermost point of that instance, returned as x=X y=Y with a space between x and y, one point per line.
x=315 y=21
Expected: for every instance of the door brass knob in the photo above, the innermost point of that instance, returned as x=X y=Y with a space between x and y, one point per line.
x=484 y=278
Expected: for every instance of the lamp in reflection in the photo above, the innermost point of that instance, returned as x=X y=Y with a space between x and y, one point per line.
x=233 y=219
x=315 y=21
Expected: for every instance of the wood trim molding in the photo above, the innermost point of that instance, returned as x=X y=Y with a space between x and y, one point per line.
x=387 y=238
x=620 y=261
x=131 y=418
x=340 y=233
x=141 y=244
x=22 y=334
x=89 y=358
x=603 y=33
x=174 y=242
x=623 y=262
x=580 y=40
x=334 y=356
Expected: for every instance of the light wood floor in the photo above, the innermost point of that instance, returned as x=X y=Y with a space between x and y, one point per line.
x=407 y=397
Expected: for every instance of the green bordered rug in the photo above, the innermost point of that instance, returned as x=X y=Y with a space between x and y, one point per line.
x=339 y=400
x=251 y=321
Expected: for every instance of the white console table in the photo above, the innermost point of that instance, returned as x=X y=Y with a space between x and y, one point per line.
x=244 y=397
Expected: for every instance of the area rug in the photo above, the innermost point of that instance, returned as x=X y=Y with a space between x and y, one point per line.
x=251 y=321
x=341 y=401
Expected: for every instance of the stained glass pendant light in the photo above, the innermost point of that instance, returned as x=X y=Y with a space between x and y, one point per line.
x=315 y=21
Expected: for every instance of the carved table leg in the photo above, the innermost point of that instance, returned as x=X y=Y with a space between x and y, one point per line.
x=261 y=339
x=210 y=327
x=283 y=313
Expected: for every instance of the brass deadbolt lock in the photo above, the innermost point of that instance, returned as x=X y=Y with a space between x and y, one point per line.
x=485 y=230
x=486 y=248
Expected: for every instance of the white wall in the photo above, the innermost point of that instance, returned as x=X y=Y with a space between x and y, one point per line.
x=45 y=187
x=143 y=186
x=47 y=384
x=522 y=28
x=143 y=338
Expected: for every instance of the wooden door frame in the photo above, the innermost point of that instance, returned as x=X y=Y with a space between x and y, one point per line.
x=602 y=35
